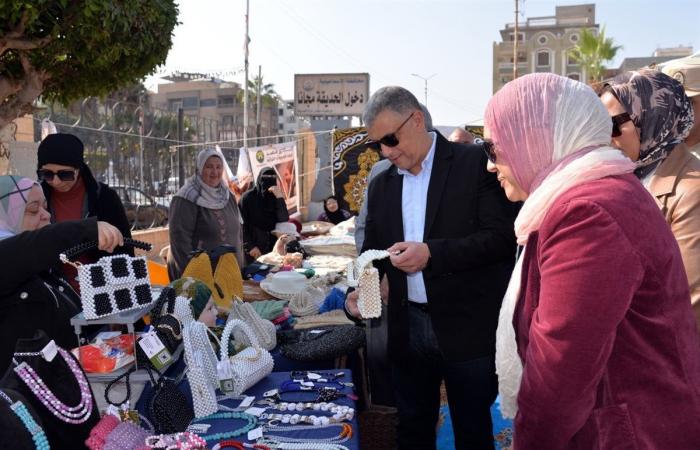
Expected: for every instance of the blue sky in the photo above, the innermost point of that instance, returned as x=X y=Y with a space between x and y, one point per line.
x=392 y=39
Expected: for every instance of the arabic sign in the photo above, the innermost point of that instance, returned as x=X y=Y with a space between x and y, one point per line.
x=282 y=158
x=336 y=94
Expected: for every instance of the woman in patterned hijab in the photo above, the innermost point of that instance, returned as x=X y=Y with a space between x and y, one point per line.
x=651 y=117
x=659 y=109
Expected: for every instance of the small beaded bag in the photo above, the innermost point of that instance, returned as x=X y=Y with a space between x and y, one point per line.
x=113 y=284
x=366 y=279
x=248 y=366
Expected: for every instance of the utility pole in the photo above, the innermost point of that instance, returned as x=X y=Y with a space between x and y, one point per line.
x=245 y=82
x=258 y=113
x=180 y=147
x=425 y=80
x=515 y=43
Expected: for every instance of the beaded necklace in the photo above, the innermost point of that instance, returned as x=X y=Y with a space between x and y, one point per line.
x=344 y=435
x=252 y=421
x=21 y=411
x=70 y=414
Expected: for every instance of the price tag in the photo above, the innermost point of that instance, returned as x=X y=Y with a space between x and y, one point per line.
x=223 y=368
x=255 y=411
x=317 y=331
x=313 y=376
x=246 y=402
x=49 y=352
x=270 y=393
x=198 y=428
x=307 y=383
x=155 y=350
x=254 y=435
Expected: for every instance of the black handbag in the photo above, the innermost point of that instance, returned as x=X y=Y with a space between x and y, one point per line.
x=168 y=407
x=321 y=343
x=167 y=327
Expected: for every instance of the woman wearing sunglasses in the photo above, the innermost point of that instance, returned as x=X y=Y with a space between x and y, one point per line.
x=651 y=117
x=72 y=193
x=597 y=347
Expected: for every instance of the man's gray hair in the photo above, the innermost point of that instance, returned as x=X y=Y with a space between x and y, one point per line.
x=428 y=117
x=393 y=98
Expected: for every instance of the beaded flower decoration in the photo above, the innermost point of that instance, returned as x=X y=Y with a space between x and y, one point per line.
x=366 y=279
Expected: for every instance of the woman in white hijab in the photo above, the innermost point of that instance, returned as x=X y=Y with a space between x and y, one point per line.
x=203 y=214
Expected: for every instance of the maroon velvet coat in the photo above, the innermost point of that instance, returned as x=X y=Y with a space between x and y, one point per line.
x=605 y=327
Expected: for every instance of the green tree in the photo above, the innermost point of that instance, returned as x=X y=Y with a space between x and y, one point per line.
x=592 y=52
x=268 y=95
x=63 y=50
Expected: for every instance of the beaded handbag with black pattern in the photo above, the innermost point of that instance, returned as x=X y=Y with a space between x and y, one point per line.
x=113 y=284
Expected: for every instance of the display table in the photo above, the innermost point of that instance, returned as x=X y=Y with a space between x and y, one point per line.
x=273 y=381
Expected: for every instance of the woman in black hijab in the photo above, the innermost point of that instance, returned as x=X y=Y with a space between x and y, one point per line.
x=262 y=207
x=332 y=211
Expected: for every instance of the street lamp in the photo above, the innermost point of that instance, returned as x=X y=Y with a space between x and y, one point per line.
x=426 y=85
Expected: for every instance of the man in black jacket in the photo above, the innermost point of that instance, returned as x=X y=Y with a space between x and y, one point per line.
x=449 y=228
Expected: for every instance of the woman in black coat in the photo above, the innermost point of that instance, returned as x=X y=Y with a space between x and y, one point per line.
x=262 y=207
x=33 y=295
x=72 y=193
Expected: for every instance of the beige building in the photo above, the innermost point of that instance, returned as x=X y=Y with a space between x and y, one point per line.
x=543 y=44
x=217 y=101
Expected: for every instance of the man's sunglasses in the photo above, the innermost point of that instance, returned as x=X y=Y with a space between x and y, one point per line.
x=390 y=140
x=63 y=175
x=617 y=121
x=489 y=149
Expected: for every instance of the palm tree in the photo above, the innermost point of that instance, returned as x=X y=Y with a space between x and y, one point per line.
x=268 y=94
x=592 y=51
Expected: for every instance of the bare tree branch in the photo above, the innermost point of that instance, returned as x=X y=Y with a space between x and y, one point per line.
x=20 y=100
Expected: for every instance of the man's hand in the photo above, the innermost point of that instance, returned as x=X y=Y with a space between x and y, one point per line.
x=410 y=257
x=351 y=304
x=108 y=236
x=255 y=253
x=276 y=191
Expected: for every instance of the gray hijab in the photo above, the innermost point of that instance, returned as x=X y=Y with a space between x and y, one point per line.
x=197 y=191
x=659 y=109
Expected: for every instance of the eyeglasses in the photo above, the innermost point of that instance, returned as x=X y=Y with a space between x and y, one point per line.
x=390 y=140
x=617 y=121
x=63 y=175
x=489 y=149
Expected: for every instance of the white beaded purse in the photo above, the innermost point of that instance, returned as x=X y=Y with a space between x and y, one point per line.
x=248 y=366
x=114 y=284
x=366 y=280
x=201 y=368
x=264 y=330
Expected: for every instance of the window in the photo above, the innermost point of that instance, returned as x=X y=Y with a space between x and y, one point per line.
x=226 y=101
x=281 y=127
x=542 y=40
x=174 y=104
x=207 y=102
x=190 y=102
x=521 y=37
x=521 y=58
x=280 y=112
x=543 y=58
x=574 y=37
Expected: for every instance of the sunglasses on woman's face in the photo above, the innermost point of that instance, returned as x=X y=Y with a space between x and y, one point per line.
x=490 y=150
x=617 y=121
x=390 y=140
x=63 y=175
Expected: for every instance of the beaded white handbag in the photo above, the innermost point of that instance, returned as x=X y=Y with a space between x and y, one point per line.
x=113 y=284
x=264 y=330
x=248 y=366
x=366 y=279
x=201 y=368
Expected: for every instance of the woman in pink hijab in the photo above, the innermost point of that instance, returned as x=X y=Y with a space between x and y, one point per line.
x=597 y=344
